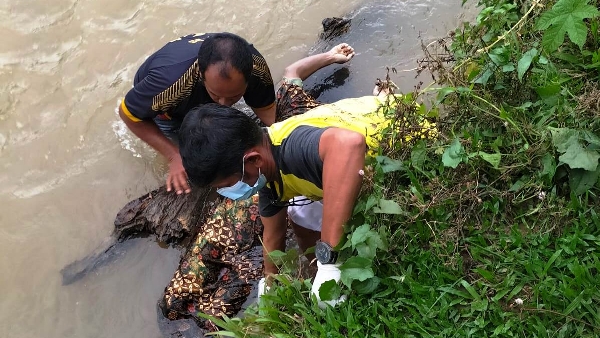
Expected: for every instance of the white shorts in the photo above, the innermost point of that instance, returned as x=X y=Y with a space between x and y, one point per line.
x=307 y=215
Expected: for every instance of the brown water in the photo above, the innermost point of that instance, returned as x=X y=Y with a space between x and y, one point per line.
x=67 y=164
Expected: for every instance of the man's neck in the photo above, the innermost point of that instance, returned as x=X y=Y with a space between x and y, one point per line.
x=269 y=168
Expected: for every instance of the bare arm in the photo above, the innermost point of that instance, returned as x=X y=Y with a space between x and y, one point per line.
x=148 y=132
x=273 y=238
x=305 y=67
x=343 y=155
x=266 y=114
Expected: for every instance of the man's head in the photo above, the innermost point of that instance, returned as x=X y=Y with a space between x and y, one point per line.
x=220 y=146
x=225 y=62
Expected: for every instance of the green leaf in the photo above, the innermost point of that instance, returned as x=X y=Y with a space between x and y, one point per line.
x=563 y=137
x=565 y=17
x=329 y=290
x=575 y=303
x=367 y=286
x=356 y=268
x=493 y=159
x=485 y=274
x=567 y=141
x=374 y=241
x=366 y=251
x=455 y=292
x=499 y=56
x=277 y=254
x=454 y=154
x=508 y=68
x=371 y=202
x=360 y=234
x=520 y=183
x=484 y=77
x=499 y=295
x=388 y=164
x=525 y=62
x=470 y=289
x=418 y=155
x=549 y=166
x=551 y=261
x=388 y=207
x=480 y=305
x=548 y=91
x=366 y=241
x=442 y=93
x=581 y=180
x=590 y=138
x=576 y=156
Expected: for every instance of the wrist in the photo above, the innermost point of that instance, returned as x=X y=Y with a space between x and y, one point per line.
x=331 y=266
x=325 y=253
x=173 y=155
x=330 y=57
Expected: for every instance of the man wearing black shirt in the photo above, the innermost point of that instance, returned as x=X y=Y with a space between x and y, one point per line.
x=192 y=70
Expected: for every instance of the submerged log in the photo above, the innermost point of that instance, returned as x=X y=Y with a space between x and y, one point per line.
x=171 y=217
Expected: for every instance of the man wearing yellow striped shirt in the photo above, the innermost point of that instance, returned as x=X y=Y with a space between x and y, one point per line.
x=318 y=156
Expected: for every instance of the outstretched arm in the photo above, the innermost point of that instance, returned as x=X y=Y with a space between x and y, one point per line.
x=303 y=68
x=343 y=155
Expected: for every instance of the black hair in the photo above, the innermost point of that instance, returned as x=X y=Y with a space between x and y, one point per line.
x=228 y=49
x=212 y=141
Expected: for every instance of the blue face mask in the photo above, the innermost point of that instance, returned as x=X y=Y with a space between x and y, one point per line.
x=241 y=190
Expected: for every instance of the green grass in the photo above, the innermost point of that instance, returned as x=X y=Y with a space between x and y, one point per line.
x=451 y=234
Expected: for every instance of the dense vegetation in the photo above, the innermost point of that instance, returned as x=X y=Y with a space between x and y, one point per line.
x=492 y=229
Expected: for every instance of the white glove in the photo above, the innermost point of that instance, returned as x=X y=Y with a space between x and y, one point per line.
x=262 y=288
x=326 y=272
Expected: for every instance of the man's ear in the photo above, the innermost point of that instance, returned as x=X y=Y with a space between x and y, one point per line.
x=254 y=157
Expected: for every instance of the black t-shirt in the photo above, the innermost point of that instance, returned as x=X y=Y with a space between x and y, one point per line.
x=300 y=169
x=168 y=83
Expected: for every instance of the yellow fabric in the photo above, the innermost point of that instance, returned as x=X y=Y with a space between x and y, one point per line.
x=294 y=186
x=365 y=115
x=361 y=114
x=128 y=113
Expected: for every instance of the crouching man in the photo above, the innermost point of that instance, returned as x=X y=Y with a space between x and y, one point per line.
x=319 y=155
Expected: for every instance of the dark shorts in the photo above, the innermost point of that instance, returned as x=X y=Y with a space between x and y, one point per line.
x=169 y=128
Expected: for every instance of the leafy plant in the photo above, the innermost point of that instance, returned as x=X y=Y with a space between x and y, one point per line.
x=491 y=229
x=566 y=17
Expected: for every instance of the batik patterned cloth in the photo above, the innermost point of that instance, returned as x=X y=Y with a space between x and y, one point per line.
x=215 y=274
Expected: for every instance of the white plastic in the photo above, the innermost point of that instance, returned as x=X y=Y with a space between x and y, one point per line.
x=326 y=272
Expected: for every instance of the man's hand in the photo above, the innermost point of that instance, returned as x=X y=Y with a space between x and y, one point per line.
x=177 y=178
x=342 y=53
x=302 y=69
x=148 y=132
x=326 y=272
